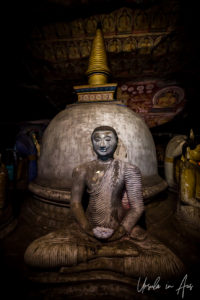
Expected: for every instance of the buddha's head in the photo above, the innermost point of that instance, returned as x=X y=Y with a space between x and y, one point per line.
x=194 y=154
x=104 y=140
x=191 y=149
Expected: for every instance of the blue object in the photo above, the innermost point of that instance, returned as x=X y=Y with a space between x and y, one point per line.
x=25 y=147
x=10 y=169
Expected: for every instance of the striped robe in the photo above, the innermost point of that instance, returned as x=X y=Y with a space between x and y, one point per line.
x=117 y=198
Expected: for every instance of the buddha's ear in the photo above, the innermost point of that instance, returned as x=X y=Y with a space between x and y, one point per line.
x=121 y=151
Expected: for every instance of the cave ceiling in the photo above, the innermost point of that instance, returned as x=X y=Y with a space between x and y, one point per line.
x=48 y=45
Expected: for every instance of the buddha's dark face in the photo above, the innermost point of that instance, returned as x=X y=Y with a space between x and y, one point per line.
x=104 y=143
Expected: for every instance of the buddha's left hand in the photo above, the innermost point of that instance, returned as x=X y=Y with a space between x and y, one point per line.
x=118 y=234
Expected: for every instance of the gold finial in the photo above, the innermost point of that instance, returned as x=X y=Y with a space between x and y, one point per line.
x=98 y=70
x=191 y=134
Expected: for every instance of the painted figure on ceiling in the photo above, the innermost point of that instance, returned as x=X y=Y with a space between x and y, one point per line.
x=108 y=24
x=125 y=22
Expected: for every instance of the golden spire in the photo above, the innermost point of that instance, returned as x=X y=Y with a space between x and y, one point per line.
x=98 y=70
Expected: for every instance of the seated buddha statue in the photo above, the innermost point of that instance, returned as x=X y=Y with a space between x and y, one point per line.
x=104 y=234
x=189 y=183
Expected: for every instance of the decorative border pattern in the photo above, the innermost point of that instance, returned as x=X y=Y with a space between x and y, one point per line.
x=93 y=97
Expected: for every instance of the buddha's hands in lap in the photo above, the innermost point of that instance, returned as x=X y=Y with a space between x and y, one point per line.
x=102 y=232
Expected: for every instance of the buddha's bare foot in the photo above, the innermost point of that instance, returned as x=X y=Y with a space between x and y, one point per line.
x=138 y=233
x=118 y=249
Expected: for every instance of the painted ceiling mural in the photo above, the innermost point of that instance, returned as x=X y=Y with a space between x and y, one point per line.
x=139 y=32
x=144 y=48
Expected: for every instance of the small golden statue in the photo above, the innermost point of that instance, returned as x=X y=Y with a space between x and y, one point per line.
x=189 y=182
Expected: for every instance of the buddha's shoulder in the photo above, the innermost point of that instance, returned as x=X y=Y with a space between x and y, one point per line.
x=127 y=166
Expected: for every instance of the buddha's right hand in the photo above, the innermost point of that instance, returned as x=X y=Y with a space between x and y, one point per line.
x=118 y=234
x=88 y=231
